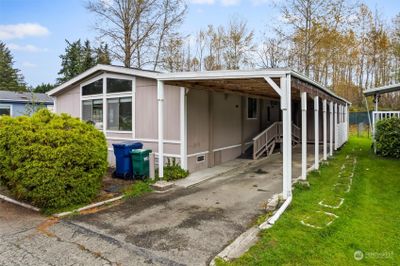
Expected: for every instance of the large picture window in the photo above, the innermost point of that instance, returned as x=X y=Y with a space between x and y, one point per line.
x=93 y=88
x=118 y=85
x=5 y=109
x=92 y=111
x=252 y=108
x=119 y=114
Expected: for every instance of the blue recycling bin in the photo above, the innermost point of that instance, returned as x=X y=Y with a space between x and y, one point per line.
x=123 y=161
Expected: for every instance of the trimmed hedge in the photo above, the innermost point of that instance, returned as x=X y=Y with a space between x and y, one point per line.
x=387 y=137
x=53 y=161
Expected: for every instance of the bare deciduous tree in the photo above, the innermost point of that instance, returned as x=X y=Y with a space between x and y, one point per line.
x=137 y=29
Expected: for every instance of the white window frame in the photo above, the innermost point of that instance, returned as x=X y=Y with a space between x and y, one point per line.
x=247 y=108
x=104 y=96
x=9 y=106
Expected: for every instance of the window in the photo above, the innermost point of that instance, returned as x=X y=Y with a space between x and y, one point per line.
x=251 y=108
x=5 y=109
x=95 y=87
x=92 y=111
x=118 y=85
x=119 y=114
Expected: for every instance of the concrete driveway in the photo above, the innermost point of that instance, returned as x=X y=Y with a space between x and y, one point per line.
x=189 y=226
x=181 y=227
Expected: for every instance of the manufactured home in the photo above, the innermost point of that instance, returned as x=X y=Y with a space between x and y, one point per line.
x=20 y=103
x=207 y=118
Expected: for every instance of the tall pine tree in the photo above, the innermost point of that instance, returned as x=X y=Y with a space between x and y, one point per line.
x=103 y=55
x=79 y=58
x=10 y=78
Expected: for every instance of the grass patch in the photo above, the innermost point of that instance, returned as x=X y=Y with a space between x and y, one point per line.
x=137 y=189
x=368 y=220
x=319 y=219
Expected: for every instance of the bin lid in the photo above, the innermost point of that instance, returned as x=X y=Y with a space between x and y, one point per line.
x=128 y=143
x=139 y=151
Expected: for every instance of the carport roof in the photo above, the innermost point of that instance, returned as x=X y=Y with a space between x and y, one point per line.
x=231 y=81
x=247 y=82
x=382 y=90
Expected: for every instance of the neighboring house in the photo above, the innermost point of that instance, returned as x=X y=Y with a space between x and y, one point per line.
x=18 y=103
x=206 y=118
x=379 y=115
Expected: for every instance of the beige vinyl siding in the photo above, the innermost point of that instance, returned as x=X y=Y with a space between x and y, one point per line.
x=226 y=127
x=197 y=121
x=146 y=109
x=69 y=102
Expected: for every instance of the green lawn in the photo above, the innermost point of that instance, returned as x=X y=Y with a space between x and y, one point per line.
x=368 y=220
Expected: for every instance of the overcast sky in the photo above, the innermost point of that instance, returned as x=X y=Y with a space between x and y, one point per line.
x=35 y=30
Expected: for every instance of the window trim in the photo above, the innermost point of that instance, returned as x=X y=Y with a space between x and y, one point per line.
x=247 y=108
x=116 y=130
x=104 y=96
x=92 y=100
x=9 y=106
x=87 y=82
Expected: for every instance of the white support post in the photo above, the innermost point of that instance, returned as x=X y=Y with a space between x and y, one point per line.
x=316 y=132
x=303 y=135
x=160 y=99
x=325 y=145
x=287 y=135
x=347 y=122
x=183 y=127
x=104 y=106
x=331 y=128
x=335 y=125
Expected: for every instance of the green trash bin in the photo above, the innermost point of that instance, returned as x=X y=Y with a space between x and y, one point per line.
x=140 y=162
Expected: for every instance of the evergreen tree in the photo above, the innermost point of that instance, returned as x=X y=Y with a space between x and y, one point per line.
x=103 y=55
x=10 y=78
x=88 y=59
x=71 y=61
x=79 y=58
x=43 y=88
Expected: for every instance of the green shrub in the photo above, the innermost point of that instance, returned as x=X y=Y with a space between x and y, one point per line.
x=173 y=171
x=388 y=137
x=53 y=161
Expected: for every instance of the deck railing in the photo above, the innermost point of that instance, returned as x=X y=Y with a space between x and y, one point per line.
x=266 y=140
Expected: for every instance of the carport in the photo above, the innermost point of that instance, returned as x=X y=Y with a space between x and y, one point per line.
x=295 y=94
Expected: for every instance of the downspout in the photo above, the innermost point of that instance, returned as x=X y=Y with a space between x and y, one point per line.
x=271 y=221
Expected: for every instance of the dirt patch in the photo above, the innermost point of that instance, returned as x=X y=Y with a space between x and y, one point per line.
x=198 y=215
x=261 y=172
x=163 y=239
x=44 y=227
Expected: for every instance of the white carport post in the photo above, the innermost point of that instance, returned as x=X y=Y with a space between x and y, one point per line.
x=347 y=122
x=331 y=128
x=325 y=129
x=286 y=104
x=303 y=135
x=160 y=100
x=316 y=132
x=335 y=125
x=183 y=127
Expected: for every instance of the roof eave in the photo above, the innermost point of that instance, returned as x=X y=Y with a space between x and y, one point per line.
x=101 y=68
x=382 y=90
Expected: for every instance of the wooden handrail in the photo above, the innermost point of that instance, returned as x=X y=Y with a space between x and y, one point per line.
x=266 y=140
